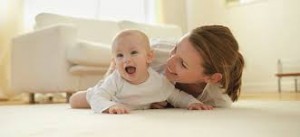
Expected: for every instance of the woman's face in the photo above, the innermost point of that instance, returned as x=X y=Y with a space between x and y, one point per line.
x=185 y=64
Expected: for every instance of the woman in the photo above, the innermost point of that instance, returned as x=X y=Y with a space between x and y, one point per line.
x=205 y=63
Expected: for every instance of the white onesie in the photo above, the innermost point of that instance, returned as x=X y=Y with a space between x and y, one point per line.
x=114 y=89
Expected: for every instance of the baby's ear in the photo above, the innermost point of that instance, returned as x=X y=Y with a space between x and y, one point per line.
x=150 y=56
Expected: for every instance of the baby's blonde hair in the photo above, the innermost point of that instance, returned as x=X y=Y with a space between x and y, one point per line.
x=141 y=35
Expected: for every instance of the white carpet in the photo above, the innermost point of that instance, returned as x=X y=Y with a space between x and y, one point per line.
x=244 y=119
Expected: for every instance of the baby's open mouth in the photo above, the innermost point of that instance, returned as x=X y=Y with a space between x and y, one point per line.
x=130 y=69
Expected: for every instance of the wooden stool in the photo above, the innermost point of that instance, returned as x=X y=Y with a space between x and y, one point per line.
x=281 y=75
x=288 y=68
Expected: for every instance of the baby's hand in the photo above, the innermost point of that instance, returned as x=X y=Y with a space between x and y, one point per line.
x=199 y=106
x=159 y=105
x=117 y=109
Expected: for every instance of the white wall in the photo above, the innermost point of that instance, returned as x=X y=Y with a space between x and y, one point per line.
x=265 y=30
x=170 y=12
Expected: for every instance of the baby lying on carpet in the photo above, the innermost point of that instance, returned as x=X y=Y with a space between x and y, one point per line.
x=134 y=85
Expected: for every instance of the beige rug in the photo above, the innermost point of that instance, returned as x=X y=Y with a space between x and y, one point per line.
x=244 y=119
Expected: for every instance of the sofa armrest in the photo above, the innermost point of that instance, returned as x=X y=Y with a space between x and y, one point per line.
x=38 y=60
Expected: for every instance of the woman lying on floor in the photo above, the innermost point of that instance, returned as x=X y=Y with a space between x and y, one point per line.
x=205 y=63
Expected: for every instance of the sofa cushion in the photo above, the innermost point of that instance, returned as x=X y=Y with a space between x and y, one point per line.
x=89 y=54
x=88 y=70
x=88 y=29
x=94 y=58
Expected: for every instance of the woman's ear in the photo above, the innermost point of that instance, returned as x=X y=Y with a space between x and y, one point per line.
x=150 y=56
x=215 y=78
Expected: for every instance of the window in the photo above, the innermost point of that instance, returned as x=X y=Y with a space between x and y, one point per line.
x=122 y=9
x=238 y=2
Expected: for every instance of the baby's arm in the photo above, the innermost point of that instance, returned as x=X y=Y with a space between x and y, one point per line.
x=102 y=98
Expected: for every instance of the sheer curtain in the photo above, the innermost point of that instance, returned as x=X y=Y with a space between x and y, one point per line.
x=135 y=10
x=10 y=25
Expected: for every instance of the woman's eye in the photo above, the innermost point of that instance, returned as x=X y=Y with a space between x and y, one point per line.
x=119 y=55
x=134 y=52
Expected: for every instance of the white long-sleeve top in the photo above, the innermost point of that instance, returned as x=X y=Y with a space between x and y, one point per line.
x=214 y=95
x=114 y=89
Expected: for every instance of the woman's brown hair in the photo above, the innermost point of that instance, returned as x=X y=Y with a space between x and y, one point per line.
x=220 y=52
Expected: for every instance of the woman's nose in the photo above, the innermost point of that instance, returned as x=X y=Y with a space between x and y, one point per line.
x=171 y=62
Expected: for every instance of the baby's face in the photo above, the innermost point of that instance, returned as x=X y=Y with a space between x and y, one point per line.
x=132 y=58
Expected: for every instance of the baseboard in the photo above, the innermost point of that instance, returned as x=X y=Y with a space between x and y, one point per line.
x=286 y=85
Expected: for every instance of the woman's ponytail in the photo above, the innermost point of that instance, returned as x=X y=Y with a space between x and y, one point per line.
x=235 y=82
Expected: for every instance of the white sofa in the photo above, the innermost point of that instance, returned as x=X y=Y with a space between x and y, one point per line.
x=67 y=54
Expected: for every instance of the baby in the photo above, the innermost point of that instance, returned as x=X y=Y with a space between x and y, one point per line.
x=134 y=85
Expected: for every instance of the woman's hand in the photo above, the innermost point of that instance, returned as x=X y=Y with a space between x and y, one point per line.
x=117 y=109
x=199 y=106
x=159 y=105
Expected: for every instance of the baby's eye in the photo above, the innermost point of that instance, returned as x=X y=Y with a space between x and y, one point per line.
x=134 y=52
x=119 y=55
